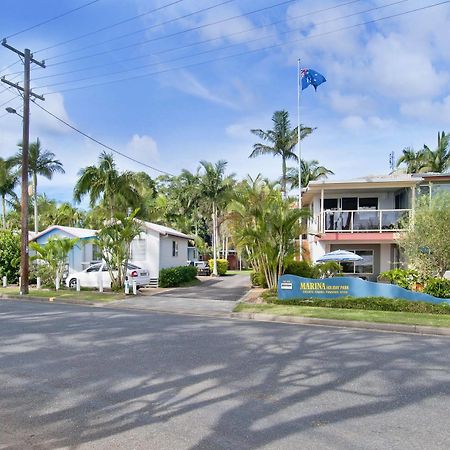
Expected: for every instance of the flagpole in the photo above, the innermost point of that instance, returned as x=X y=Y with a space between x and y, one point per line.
x=299 y=155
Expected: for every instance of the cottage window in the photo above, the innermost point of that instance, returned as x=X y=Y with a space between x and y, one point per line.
x=174 y=248
x=138 y=249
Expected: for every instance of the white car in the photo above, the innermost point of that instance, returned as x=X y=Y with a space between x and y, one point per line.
x=91 y=276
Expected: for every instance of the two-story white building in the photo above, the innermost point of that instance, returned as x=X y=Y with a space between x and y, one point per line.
x=365 y=215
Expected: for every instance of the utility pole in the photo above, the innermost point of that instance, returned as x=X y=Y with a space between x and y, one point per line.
x=27 y=59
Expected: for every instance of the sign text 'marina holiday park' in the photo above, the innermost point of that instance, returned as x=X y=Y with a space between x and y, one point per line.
x=291 y=286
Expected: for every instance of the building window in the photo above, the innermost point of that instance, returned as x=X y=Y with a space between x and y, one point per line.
x=330 y=204
x=174 y=248
x=138 y=249
x=96 y=253
x=365 y=266
x=368 y=203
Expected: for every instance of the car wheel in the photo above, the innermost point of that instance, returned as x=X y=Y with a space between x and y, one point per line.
x=73 y=283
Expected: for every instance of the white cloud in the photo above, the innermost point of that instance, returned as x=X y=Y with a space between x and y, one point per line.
x=143 y=148
x=186 y=82
x=399 y=71
x=428 y=110
x=351 y=103
x=356 y=122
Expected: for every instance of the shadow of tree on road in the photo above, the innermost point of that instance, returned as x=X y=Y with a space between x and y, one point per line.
x=71 y=376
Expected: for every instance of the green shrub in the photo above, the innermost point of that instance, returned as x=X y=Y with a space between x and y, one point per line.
x=258 y=279
x=44 y=272
x=369 y=303
x=438 y=287
x=405 y=278
x=9 y=255
x=222 y=266
x=328 y=269
x=301 y=269
x=174 y=276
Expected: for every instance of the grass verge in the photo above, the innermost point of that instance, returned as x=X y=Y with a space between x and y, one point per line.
x=433 y=320
x=238 y=272
x=88 y=296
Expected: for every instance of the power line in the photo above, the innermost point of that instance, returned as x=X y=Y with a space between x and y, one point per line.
x=52 y=19
x=213 y=50
x=171 y=21
x=206 y=40
x=101 y=143
x=254 y=50
x=110 y=26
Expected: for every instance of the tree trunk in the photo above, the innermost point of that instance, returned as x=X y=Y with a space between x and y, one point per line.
x=4 y=211
x=283 y=178
x=214 y=218
x=36 y=221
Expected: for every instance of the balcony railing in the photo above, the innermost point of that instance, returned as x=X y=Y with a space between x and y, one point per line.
x=375 y=220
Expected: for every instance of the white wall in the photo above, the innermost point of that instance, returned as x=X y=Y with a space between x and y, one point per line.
x=151 y=260
x=385 y=257
x=166 y=258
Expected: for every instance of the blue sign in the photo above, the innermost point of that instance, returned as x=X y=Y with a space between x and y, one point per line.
x=291 y=286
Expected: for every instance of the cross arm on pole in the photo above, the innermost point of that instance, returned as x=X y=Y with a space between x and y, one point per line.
x=20 y=88
x=9 y=47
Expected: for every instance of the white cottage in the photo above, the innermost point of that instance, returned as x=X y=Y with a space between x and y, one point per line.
x=158 y=247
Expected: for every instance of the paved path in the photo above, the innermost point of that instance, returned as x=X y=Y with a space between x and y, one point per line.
x=216 y=296
x=89 y=378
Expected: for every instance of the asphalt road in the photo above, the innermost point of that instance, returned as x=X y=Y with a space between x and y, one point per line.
x=97 y=378
x=216 y=296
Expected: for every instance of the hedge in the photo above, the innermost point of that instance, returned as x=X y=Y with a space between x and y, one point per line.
x=174 y=276
x=222 y=266
x=368 y=303
x=9 y=255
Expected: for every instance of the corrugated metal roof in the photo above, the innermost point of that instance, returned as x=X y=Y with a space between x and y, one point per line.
x=161 y=229
x=81 y=233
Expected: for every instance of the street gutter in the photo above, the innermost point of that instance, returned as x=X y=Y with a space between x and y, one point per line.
x=375 y=326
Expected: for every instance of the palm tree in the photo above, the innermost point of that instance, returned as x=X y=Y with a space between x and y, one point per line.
x=215 y=189
x=116 y=190
x=414 y=161
x=264 y=225
x=40 y=162
x=279 y=141
x=8 y=181
x=310 y=171
x=438 y=160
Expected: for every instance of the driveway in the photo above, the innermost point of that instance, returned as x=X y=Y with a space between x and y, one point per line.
x=215 y=296
x=88 y=378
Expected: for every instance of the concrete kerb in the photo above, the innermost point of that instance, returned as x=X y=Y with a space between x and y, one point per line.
x=375 y=326
x=261 y=317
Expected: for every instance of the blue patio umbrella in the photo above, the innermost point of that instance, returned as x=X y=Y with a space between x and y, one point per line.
x=340 y=256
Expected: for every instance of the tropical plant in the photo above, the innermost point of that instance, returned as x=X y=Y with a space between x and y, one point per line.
x=9 y=255
x=53 y=254
x=215 y=190
x=426 y=242
x=105 y=185
x=114 y=241
x=414 y=161
x=8 y=181
x=40 y=162
x=264 y=226
x=438 y=287
x=279 y=141
x=222 y=266
x=310 y=171
x=438 y=160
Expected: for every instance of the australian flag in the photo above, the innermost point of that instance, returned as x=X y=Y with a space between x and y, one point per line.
x=312 y=77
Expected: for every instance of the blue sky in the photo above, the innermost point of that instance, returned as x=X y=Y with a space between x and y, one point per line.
x=387 y=81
